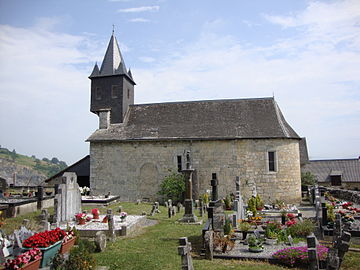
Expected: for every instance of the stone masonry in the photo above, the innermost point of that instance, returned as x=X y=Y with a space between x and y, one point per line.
x=135 y=170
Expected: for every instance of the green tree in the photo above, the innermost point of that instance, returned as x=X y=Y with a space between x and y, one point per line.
x=54 y=160
x=173 y=186
x=308 y=179
x=45 y=159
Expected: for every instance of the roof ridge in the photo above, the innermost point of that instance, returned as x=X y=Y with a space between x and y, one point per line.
x=204 y=100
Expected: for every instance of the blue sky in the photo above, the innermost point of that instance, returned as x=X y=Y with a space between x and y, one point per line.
x=306 y=53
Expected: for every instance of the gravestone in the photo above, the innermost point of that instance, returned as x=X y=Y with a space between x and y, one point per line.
x=5 y=247
x=157 y=210
x=179 y=206
x=209 y=245
x=111 y=224
x=291 y=241
x=173 y=210
x=312 y=252
x=169 y=212
x=238 y=203
x=100 y=241
x=153 y=209
x=166 y=205
x=189 y=216
x=3 y=184
x=120 y=209
x=184 y=251
x=216 y=209
x=68 y=199
x=19 y=236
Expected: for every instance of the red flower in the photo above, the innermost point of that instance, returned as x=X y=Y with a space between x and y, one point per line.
x=44 y=239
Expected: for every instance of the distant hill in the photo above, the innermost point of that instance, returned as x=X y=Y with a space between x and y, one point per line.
x=29 y=170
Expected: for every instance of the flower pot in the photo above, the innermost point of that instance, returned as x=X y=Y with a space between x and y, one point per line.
x=48 y=253
x=270 y=241
x=34 y=265
x=81 y=221
x=65 y=247
x=96 y=216
x=256 y=249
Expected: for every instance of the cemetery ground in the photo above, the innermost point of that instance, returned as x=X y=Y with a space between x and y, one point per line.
x=155 y=247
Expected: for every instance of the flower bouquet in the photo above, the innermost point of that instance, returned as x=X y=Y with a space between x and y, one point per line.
x=95 y=212
x=123 y=216
x=81 y=218
x=28 y=260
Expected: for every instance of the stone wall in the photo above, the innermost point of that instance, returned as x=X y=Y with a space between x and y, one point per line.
x=135 y=170
x=348 y=195
x=344 y=185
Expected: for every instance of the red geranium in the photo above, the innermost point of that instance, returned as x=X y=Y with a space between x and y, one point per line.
x=290 y=215
x=44 y=239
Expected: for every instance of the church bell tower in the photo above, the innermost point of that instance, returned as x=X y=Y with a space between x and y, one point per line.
x=112 y=87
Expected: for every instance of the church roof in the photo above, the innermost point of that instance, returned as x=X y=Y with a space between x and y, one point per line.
x=113 y=62
x=200 y=120
x=349 y=169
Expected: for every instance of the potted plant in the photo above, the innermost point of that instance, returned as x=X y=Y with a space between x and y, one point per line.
x=68 y=241
x=81 y=218
x=29 y=260
x=272 y=230
x=95 y=212
x=227 y=227
x=49 y=242
x=255 y=244
x=244 y=227
x=123 y=216
x=227 y=202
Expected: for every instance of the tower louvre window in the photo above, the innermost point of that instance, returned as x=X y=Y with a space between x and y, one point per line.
x=128 y=93
x=114 y=91
x=98 y=93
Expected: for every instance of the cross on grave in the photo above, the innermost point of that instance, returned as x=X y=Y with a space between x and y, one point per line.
x=214 y=183
x=184 y=251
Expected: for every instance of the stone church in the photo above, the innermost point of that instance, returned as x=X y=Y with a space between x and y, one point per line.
x=136 y=145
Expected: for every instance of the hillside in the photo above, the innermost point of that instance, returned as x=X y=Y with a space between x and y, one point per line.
x=29 y=170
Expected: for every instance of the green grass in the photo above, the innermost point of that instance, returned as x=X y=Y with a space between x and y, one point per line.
x=155 y=247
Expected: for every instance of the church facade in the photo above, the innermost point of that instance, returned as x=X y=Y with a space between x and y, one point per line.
x=136 y=145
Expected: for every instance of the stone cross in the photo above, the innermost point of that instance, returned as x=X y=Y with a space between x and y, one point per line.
x=111 y=224
x=189 y=216
x=312 y=252
x=153 y=210
x=184 y=251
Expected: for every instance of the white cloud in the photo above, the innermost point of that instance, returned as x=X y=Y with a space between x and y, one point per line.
x=45 y=91
x=314 y=75
x=139 y=20
x=140 y=9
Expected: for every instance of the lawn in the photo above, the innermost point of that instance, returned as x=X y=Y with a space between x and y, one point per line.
x=155 y=247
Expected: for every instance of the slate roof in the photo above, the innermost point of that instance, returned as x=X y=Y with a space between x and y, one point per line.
x=304 y=156
x=200 y=120
x=349 y=169
x=113 y=62
x=80 y=167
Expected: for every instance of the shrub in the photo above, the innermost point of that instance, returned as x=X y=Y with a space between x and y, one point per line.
x=301 y=229
x=244 y=226
x=80 y=259
x=298 y=255
x=308 y=179
x=252 y=206
x=205 y=198
x=173 y=186
x=227 y=227
x=227 y=202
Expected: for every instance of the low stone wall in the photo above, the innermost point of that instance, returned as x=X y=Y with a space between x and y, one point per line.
x=344 y=194
x=29 y=206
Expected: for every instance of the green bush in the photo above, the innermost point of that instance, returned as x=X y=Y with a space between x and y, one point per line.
x=227 y=227
x=80 y=259
x=227 y=202
x=301 y=229
x=252 y=205
x=172 y=187
x=308 y=179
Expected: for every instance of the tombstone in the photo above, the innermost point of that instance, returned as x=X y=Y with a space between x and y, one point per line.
x=333 y=262
x=343 y=245
x=138 y=202
x=179 y=206
x=157 y=210
x=44 y=215
x=324 y=217
x=100 y=241
x=201 y=208
x=169 y=212
x=184 y=251
x=257 y=233
x=153 y=210
x=312 y=252
x=189 y=216
x=68 y=199
x=40 y=197
x=123 y=230
x=169 y=203
x=239 y=203
x=214 y=183
x=19 y=236
x=197 y=203
x=234 y=221
x=111 y=224
x=45 y=225
x=209 y=245
x=5 y=247
x=173 y=210
x=291 y=241
x=166 y=205
x=216 y=208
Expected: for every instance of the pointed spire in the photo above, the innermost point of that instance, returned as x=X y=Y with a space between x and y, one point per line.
x=130 y=74
x=96 y=71
x=113 y=62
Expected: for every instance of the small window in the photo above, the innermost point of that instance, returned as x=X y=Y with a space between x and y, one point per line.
x=179 y=163
x=128 y=93
x=114 y=91
x=98 y=93
x=272 y=161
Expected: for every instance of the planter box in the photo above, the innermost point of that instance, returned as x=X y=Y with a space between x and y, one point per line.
x=48 y=253
x=34 y=265
x=65 y=247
